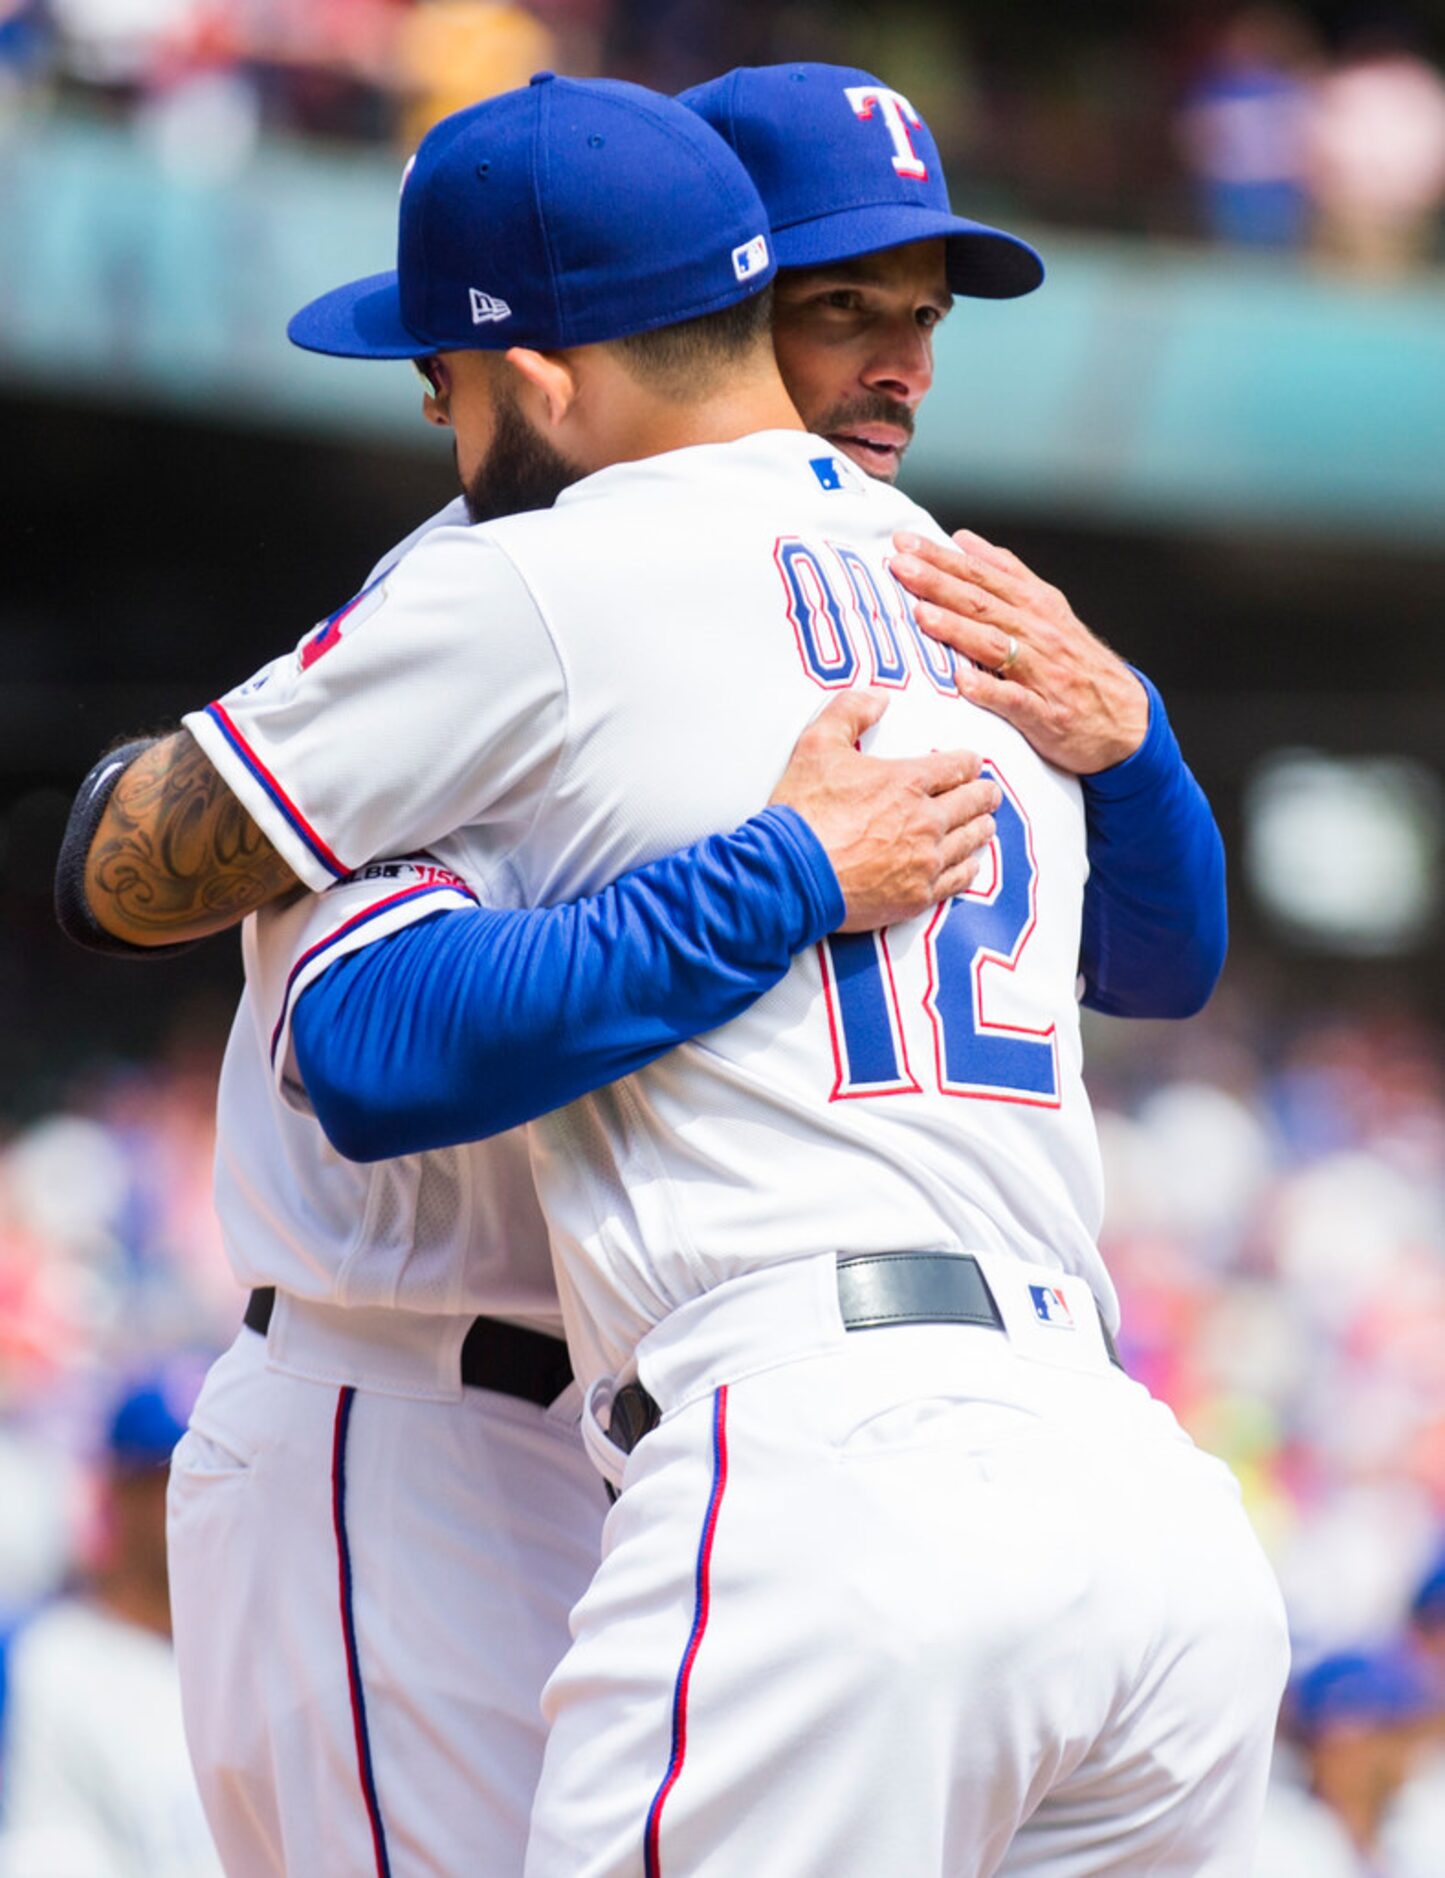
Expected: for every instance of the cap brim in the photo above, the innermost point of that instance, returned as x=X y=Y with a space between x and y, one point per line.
x=361 y=320
x=983 y=263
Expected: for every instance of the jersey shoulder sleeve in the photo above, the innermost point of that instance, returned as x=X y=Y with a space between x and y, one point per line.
x=454 y=515
x=432 y=701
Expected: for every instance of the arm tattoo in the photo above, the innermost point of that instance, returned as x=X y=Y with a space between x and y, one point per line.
x=176 y=856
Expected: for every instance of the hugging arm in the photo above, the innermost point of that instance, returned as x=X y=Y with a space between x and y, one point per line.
x=474 y=1021
x=158 y=852
x=1156 y=919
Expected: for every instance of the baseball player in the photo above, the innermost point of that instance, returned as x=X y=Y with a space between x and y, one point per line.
x=897 y=355
x=905 y=1574
x=391 y=1436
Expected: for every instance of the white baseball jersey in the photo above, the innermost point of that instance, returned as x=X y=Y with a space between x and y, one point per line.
x=548 y=701
x=458 y=1231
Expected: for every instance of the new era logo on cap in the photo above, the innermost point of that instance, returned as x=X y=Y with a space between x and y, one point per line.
x=751 y=258
x=486 y=307
x=1052 y=1307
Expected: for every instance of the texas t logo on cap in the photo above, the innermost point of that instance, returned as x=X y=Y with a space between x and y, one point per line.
x=897 y=113
x=846 y=167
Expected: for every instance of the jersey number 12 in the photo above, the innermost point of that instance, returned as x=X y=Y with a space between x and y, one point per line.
x=982 y=932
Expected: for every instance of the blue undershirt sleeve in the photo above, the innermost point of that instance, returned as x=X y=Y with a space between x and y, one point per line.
x=473 y=1022
x=1156 y=924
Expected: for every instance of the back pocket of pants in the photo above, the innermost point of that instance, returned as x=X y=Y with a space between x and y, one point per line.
x=203 y=1457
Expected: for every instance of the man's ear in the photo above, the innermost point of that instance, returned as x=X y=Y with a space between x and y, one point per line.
x=549 y=378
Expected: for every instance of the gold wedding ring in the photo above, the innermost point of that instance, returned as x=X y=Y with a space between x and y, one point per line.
x=1010 y=657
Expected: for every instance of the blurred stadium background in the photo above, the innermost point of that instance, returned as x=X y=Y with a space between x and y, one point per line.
x=1220 y=428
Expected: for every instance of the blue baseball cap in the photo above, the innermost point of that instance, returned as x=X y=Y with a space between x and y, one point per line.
x=563 y=214
x=846 y=166
x=149 y=1419
x=1371 y=1689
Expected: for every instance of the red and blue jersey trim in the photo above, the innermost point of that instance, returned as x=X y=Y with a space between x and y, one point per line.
x=702 y=1610
x=365 y=1770
x=357 y=920
x=222 y=718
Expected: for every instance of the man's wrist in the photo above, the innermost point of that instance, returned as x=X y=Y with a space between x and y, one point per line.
x=1154 y=758
x=822 y=906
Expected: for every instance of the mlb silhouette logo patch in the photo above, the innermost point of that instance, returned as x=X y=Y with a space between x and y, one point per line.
x=825 y=468
x=1051 y=1307
x=751 y=258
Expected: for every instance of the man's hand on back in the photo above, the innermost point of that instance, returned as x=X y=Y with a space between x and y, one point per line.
x=1026 y=653
x=903 y=833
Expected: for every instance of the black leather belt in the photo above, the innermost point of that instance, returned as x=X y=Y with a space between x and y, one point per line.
x=878 y=1288
x=875 y=1289
x=513 y=1361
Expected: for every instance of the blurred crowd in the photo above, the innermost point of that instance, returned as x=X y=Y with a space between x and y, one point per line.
x=1276 y=1226
x=114 y=1294
x=1253 y=126
x=1287 y=148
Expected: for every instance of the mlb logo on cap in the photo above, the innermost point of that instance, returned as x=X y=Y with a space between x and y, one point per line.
x=751 y=258
x=1051 y=1307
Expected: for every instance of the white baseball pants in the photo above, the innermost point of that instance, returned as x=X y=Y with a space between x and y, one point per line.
x=908 y=1603
x=369 y=1592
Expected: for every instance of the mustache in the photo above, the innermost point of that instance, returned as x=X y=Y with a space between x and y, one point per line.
x=871 y=408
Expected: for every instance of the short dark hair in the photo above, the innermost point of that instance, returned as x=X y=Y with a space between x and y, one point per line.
x=683 y=362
